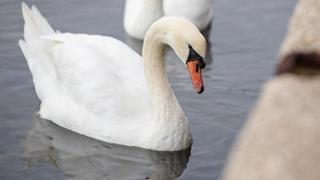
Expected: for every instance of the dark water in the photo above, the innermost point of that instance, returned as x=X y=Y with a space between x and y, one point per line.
x=245 y=37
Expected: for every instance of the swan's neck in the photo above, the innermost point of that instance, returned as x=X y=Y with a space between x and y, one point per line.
x=164 y=102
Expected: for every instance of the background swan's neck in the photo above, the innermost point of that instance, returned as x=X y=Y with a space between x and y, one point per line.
x=164 y=102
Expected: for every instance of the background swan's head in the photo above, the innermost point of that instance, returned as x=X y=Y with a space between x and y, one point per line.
x=187 y=42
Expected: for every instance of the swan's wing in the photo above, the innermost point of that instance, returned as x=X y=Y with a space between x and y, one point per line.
x=100 y=73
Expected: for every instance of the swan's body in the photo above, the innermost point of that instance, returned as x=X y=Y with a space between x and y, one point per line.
x=140 y=14
x=96 y=85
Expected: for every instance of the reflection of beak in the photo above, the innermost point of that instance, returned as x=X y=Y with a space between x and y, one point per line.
x=194 y=68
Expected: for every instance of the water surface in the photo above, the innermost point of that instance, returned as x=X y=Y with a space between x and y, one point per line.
x=244 y=37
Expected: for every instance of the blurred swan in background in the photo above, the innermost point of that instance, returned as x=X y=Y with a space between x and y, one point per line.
x=99 y=87
x=281 y=139
x=140 y=14
x=82 y=158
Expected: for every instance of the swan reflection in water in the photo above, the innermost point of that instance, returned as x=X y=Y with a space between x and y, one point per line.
x=80 y=157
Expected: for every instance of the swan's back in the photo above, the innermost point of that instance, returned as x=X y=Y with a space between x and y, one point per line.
x=198 y=12
x=99 y=75
x=140 y=14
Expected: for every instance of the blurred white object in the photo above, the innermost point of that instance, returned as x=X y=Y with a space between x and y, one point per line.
x=281 y=138
x=140 y=14
x=99 y=87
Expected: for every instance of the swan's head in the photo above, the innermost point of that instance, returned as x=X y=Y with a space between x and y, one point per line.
x=190 y=46
x=187 y=42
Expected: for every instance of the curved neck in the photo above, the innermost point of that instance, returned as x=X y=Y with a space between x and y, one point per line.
x=164 y=102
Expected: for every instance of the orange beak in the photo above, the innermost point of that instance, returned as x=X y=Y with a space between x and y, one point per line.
x=196 y=75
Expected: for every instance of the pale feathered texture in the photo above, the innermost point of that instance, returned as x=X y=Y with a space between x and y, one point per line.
x=199 y=12
x=140 y=14
x=303 y=34
x=280 y=140
x=96 y=86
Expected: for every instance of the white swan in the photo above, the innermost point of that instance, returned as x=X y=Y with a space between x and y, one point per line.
x=140 y=14
x=99 y=87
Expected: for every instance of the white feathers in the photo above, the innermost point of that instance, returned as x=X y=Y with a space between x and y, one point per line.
x=199 y=12
x=140 y=14
x=36 y=50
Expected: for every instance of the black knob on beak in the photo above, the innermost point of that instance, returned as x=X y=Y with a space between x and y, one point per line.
x=194 y=56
